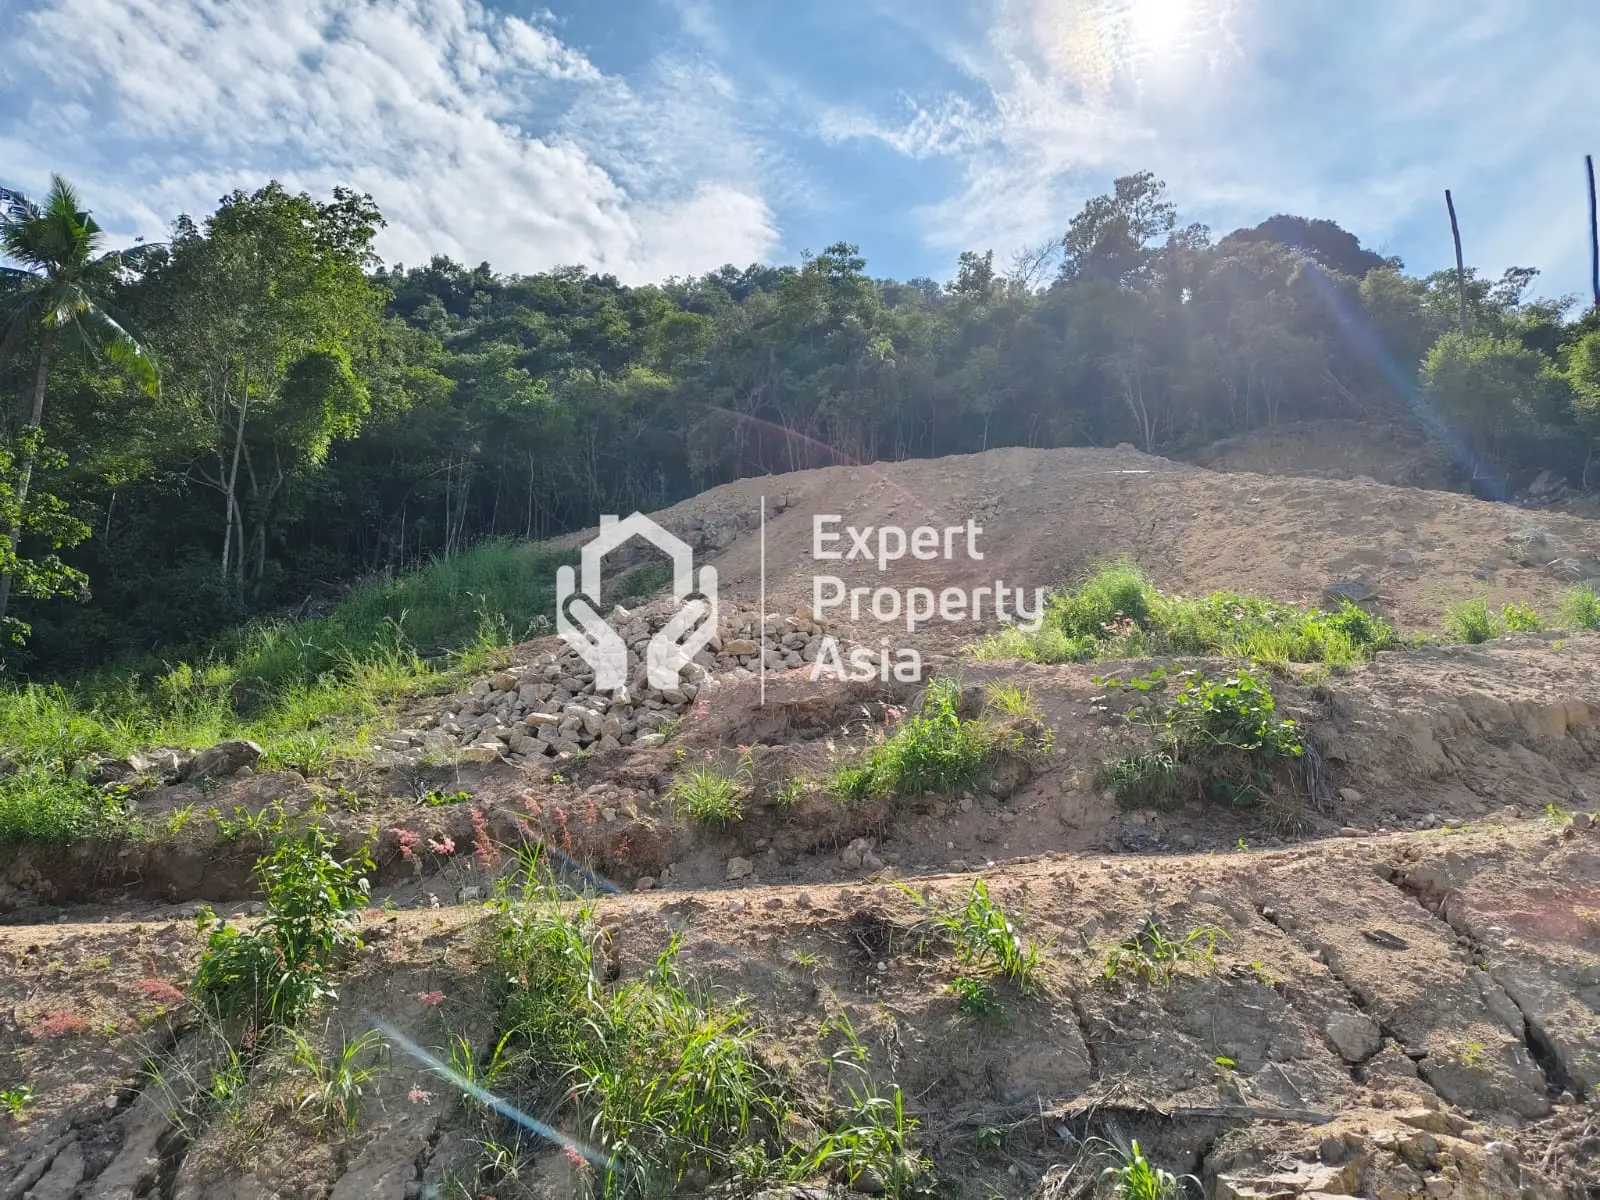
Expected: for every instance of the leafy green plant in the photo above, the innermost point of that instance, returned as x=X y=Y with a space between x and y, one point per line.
x=1132 y=1176
x=1470 y=621
x=975 y=996
x=261 y=826
x=1520 y=618
x=984 y=938
x=1152 y=957
x=14 y=1100
x=338 y=1082
x=1580 y=608
x=437 y=799
x=1225 y=731
x=273 y=974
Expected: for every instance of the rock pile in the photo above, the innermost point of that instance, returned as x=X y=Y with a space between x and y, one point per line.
x=549 y=708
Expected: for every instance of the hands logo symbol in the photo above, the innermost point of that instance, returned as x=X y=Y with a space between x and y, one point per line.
x=673 y=646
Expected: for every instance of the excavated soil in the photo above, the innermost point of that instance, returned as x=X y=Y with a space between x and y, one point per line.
x=1405 y=994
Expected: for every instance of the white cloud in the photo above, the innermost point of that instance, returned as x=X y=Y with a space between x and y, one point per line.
x=481 y=135
x=1356 y=111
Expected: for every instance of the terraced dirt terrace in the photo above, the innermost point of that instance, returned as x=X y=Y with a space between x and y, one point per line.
x=1293 y=903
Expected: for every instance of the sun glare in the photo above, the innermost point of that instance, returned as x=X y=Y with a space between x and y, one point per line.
x=1156 y=24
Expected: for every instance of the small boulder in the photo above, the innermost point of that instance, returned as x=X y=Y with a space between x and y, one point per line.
x=223 y=760
x=740 y=868
x=1356 y=1037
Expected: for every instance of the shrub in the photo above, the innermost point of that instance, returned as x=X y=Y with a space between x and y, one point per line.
x=1470 y=621
x=1225 y=733
x=1520 y=618
x=1580 y=608
x=272 y=975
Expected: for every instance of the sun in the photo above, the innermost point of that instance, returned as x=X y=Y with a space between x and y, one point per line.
x=1156 y=24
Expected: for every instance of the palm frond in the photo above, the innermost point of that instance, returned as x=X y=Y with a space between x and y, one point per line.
x=107 y=334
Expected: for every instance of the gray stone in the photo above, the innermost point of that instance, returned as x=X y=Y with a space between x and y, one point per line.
x=1357 y=591
x=223 y=760
x=1356 y=1037
x=61 y=1181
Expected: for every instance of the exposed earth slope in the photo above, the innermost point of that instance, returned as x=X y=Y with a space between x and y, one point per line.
x=1382 y=981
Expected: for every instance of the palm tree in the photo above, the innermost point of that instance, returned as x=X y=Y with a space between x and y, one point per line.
x=62 y=281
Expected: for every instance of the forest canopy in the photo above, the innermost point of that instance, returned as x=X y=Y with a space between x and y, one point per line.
x=258 y=410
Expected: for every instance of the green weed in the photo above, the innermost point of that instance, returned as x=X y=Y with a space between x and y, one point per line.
x=1580 y=608
x=933 y=750
x=338 y=1081
x=14 y=1100
x=309 y=691
x=975 y=996
x=272 y=975
x=663 y=1077
x=712 y=794
x=1153 y=958
x=1011 y=700
x=1520 y=618
x=1470 y=621
x=260 y=826
x=1132 y=1176
x=1116 y=612
x=985 y=940
x=1149 y=780
x=1223 y=733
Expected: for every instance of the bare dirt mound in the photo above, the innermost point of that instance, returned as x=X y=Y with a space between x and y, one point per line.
x=1046 y=514
x=1382 y=451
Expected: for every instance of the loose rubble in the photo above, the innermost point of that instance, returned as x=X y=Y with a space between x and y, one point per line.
x=549 y=708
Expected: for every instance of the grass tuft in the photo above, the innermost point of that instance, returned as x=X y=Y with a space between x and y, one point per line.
x=711 y=794
x=1116 y=612
x=1580 y=608
x=1152 y=957
x=935 y=750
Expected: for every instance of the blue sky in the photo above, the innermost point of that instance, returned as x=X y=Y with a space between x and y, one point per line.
x=656 y=137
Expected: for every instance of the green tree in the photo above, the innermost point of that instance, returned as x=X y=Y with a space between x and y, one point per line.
x=272 y=327
x=60 y=298
x=1494 y=393
x=1115 y=238
x=43 y=518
